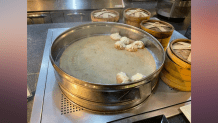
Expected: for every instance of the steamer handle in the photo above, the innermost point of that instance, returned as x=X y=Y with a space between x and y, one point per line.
x=127 y=93
x=36 y=16
x=124 y=95
x=74 y=14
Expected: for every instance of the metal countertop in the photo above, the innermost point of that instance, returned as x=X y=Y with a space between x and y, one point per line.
x=47 y=104
x=36 y=38
x=55 y=5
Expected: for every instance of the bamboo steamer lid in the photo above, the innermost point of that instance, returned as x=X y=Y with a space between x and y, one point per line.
x=180 y=56
x=157 y=28
x=132 y=19
x=105 y=15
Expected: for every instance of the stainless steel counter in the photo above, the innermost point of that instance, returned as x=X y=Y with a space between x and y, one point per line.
x=36 y=38
x=51 y=106
x=56 y=5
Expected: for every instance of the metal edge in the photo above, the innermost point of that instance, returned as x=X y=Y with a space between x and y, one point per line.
x=29 y=92
x=123 y=4
x=167 y=111
x=172 y=8
x=39 y=95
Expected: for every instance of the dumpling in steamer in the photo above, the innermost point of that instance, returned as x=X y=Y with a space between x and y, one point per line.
x=115 y=36
x=119 y=45
x=139 y=44
x=122 y=78
x=126 y=40
x=131 y=48
x=137 y=77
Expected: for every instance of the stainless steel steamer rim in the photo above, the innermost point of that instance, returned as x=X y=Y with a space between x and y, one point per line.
x=101 y=97
x=108 y=23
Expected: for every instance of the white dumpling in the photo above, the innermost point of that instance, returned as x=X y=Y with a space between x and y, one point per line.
x=119 y=45
x=131 y=48
x=126 y=40
x=139 y=44
x=137 y=77
x=122 y=78
x=115 y=36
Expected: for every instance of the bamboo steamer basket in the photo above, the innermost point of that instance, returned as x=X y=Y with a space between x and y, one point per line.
x=174 y=82
x=177 y=70
x=162 y=37
x=100 y=19
x=135 y=21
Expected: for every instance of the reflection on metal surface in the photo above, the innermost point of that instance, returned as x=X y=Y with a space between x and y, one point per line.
x=38 y=17
x=50 y=5
x=74 y=4
x=29 y=94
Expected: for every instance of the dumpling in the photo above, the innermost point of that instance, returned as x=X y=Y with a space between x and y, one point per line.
x=115 y=36
x=137 y=77
x=119 y=45
x=122 y=78
x=139 y=44
x=131 y=48
x=126 y=40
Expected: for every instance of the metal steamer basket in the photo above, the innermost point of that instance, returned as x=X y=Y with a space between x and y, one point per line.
x=106 y=98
